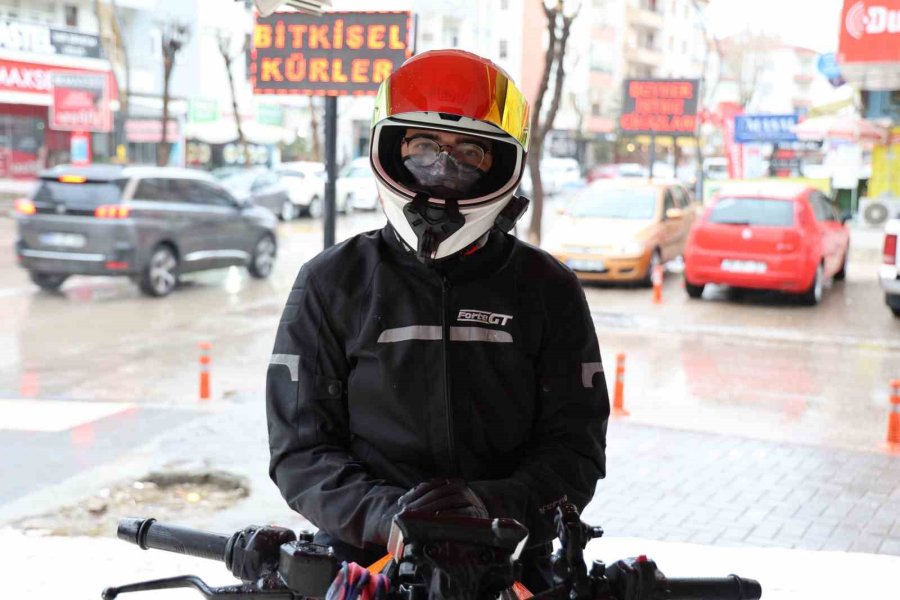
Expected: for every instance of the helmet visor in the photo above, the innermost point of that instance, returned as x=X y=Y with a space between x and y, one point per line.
x=453 y=83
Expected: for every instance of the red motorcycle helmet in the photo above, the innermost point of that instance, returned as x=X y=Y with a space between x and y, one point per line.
x=455 y=92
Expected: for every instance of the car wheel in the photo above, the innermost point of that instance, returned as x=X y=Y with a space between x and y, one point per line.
x=288 y=211
x=263 y=258
x=842 y=274
x=50 y=282
x=694 y=291
x=813 y=295
x=160 y=275
x=315 y=208
x=655 y=261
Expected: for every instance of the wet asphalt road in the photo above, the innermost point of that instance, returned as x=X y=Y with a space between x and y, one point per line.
x=92 y=372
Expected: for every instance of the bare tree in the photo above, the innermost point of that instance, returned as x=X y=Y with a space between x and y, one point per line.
x=175 y=36
x=558 y=26
x=111 y=33
x=743 y=59
x=226 y=43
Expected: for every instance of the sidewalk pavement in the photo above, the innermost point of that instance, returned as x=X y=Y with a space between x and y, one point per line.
x=807 y=522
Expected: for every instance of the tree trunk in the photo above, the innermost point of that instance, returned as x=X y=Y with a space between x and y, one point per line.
x=537 y=197
x=242 y=141
x=554 y=56
x=162 y=151
x=314 y=128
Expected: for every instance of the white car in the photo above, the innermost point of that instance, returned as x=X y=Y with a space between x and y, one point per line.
x=560 y=174
x=305 y=182
x=355 y=189
x=889 y=271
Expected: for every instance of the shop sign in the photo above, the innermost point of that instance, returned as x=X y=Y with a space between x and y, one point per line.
x=335 y=54
x=659 y=106
x=35 y=78
x=80 y=102
x=764 y=128
x=203 y=111
x=149 y=131
x=870 y=32
x=38 y=38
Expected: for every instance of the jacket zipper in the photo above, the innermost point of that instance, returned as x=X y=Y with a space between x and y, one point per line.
x=445 y=340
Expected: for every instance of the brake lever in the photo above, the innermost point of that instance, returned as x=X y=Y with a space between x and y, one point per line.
x=230 y=592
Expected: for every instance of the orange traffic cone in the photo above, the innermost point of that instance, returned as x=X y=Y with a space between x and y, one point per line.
x=205 y=361
x=893 y=431
x=657 y=278
x=619 y=394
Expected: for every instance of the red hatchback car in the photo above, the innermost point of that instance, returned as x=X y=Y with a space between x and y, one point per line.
x=770 y=235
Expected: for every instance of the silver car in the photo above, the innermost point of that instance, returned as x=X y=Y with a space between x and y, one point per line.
x=149 y=223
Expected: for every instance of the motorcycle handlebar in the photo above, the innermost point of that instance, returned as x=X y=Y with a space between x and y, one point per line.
x=147 y=533
x=724 y=588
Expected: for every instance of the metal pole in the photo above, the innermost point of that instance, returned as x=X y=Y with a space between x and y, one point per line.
x=330 y=167
x=652 y=154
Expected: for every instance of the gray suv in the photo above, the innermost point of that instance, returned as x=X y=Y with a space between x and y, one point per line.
x=149 y=223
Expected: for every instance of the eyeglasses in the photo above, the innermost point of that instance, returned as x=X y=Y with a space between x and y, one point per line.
x=424 y=151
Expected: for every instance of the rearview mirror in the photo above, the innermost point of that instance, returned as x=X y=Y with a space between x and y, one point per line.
x=674 y=213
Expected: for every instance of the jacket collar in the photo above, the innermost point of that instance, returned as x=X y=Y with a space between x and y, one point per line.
x=460 y=268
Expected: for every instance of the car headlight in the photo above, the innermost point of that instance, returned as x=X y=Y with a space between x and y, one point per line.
x=630 y=248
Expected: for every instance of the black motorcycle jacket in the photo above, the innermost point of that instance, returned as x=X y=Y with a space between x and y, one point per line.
x=387 y=373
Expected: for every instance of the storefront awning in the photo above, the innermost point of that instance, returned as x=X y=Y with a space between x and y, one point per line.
x=223 y=131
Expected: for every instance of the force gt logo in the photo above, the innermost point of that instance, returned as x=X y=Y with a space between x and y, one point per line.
x=871 y=20
x=480 y=316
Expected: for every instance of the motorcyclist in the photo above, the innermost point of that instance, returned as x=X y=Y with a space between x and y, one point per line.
x=438 y=363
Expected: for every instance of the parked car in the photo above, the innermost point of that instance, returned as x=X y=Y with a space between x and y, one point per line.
x=616 y=170
x=306 y=188
x=264 y=187
x=355 y=188
x=152 y=224
x=768 y=235
x=560 y=174
x=889 y=271
x=620 y=229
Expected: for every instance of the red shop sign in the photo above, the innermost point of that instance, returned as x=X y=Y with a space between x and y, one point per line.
x=35 y=78
x=80 y=102
x=870 y=31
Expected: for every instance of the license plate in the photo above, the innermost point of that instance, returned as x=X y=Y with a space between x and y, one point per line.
x=744 y=266
x=64 y=240
x=586 y=265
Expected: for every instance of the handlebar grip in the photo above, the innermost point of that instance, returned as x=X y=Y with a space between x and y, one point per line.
x=718 y=588
x=147 y=533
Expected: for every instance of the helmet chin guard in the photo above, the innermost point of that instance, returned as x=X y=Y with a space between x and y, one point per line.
x=432 y=225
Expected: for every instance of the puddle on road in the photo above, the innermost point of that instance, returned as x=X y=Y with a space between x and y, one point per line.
x=168 y=496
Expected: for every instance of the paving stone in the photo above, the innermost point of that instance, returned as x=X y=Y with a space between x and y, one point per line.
x=890 y=546
x=866 y=544
x=707 y=487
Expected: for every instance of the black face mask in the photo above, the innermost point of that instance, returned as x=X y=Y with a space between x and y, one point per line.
x=444 y=178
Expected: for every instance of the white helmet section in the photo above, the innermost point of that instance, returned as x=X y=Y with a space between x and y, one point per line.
x=480 y=213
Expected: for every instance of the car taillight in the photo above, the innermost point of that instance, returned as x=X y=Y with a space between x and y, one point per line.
x=890 y=249
x=112 y=211
x=25 y=206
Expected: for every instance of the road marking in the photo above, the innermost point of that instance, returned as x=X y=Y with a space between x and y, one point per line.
x=54 y=415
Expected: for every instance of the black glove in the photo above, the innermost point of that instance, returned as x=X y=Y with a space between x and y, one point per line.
x=451 y=496
x=635 y=578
